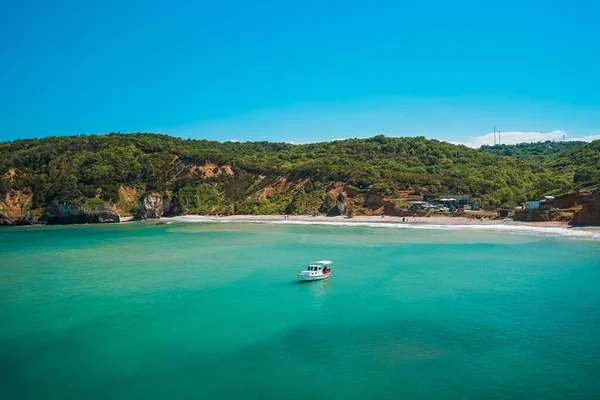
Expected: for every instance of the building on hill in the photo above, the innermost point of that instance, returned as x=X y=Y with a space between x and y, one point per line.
x=452 y=201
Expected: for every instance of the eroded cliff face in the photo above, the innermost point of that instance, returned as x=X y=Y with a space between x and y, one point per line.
x=542 y=215
x=374 y=201
x=15 y=208
x=335 y=201
x=335 y=205
x=263 y=195
x=392 y=209
x=590 y=211
x=63 y=214
x=155 y=205
x=213 y=189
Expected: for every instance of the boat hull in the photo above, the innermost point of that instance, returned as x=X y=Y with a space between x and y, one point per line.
x=310 y=278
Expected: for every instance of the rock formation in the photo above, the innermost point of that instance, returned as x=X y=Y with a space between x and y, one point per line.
x=373 y=200
x=4 y=220
x=392 y=209
x=334 y=204
x=231 y=209
x=590 y=212
x=63 y=214
x=151 y=206
x=340 y=205
x=542 y=215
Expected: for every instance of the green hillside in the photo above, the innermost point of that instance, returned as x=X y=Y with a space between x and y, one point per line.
x=201 y=176
x=531 y=150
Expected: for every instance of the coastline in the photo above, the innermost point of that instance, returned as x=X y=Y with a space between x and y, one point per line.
x=554 y=228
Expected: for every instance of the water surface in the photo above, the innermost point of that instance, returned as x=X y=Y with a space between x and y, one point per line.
x=212 y=311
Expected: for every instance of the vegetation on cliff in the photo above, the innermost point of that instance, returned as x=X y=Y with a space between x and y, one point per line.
x=208 y=177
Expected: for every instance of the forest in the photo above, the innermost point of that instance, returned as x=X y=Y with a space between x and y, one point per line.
x=202 y=176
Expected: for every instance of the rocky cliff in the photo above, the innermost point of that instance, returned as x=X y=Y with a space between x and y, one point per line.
x=334 y=204
x=15 y=206
x=264 y=195
x=542 y=215
x=151 y=206
x=63 y=214
x=155 y=205
x=590 y=212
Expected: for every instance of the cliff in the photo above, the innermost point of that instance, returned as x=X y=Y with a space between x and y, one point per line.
x=150 y=176
x=155 y=205
x=63 y=214
x=542 y=215
x=334 y=204
x=590 y=211
x=15 y=208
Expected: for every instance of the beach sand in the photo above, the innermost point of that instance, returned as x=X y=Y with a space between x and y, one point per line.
x=370 y=220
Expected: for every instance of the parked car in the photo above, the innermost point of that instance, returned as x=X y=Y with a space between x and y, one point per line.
x=444 y=209
x=460 y=210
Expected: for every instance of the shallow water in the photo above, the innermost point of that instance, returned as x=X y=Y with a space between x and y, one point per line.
x=212 y=311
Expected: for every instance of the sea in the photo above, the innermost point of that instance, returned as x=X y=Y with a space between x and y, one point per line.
x=214 y=311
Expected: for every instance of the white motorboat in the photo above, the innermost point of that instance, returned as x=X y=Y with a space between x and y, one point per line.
x=315 y=271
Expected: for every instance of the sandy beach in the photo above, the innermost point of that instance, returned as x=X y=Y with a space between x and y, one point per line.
x=423 y=222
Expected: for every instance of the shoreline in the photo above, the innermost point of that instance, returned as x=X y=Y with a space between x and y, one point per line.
x=554 y=228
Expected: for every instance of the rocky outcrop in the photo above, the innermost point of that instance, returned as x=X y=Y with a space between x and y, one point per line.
x=350 y=191
x=392 y=209
x=15 y=206
x=151 y=206
x=531 y=216
x=63 y=214
x=334 y=204
x=156 y=205
x=542 y=215
x=570 y=200
x=373 y=200
x=328 y=202
x=169 y=207
x=590 y=212
x=4 y=220
x=341 y=205
x=28 y=219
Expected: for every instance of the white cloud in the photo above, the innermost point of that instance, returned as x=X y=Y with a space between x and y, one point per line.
x=586 y=138
x=521 y=137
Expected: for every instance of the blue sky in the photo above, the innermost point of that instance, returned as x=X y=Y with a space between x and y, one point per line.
x=300 y=71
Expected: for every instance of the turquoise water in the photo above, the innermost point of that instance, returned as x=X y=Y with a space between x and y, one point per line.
x=203 y=311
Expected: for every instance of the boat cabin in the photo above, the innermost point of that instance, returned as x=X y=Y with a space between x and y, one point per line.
x=320 y=267
x=316 y=270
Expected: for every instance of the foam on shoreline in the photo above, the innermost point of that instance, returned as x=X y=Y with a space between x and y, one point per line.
x=573 y=233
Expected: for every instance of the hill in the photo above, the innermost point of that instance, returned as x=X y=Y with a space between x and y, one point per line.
x=537 y=150
x=208 y=177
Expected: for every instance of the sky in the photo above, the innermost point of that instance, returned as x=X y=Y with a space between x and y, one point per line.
x=301 y=71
